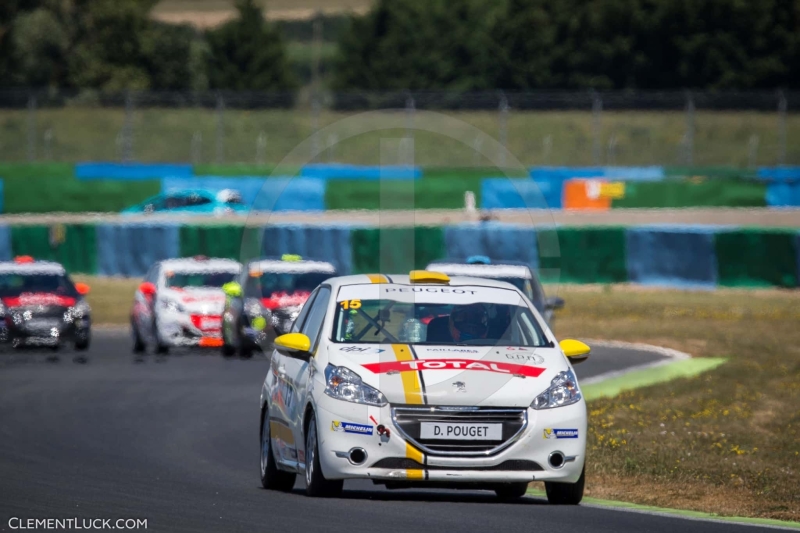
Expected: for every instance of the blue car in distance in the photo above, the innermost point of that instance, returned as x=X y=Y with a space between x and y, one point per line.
x=192 y=201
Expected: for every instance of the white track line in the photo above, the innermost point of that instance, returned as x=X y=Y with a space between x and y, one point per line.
x=670 y=354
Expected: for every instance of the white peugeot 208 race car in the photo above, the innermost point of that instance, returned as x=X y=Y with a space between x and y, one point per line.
x=180 y=303
x=423 y=380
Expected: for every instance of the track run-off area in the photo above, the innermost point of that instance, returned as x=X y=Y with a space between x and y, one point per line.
x=174 y=440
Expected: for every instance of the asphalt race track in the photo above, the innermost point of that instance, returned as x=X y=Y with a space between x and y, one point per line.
x=175 y=441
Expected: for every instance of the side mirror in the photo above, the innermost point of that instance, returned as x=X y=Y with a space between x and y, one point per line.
x=82 y=288
x=232 y=289
x=554 y=302
x=147 y=288
x=576 y=351
x=294 y=345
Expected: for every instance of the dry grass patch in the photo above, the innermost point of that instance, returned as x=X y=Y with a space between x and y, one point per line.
x=727 y=441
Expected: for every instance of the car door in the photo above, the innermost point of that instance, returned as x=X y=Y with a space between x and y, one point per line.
x=297 y=370
x=144 y=307
x=282 y=396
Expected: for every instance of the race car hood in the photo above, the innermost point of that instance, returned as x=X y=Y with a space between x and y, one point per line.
x=496 y=376
x=205 y=301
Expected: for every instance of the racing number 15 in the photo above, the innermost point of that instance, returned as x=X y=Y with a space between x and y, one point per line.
x=350 y=304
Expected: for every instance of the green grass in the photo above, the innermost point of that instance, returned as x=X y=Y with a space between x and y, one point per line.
x=642 y=138
x=725 y=441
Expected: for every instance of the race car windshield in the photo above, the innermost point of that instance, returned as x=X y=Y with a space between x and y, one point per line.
x=17 y=284
x=184 y=280
x=273 y=283
x=472 y=324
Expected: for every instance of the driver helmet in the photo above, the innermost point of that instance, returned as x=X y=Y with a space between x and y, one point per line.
x=469 y=322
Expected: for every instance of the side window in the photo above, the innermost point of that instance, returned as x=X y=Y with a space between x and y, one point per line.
x=152 y=275
x=316 y=316
x=298 y=323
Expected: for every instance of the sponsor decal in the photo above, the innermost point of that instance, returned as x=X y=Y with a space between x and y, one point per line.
x=452 y=350
x=207 y=322
x=447 y=290
x=529 y=358
x=560 y=433
x=360 y=349
x=516 y=348
x=460 y=386
x=39 y=298
x=349 y=427
x=278 y=300
x=454 y=364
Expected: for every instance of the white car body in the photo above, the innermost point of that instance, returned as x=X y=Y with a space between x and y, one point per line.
x=188 y=316
x=473 y=388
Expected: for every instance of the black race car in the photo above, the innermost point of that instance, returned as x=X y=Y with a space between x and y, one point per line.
x=266 y=299
x=41 y=306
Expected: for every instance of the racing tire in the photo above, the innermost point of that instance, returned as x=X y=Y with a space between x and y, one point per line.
x=138 y=345
x=271 y=477
x=511 y=491
x=566 y=493
x=227 y=349
x=245 y=351
x=83 y=345
x=161 y=348
x=316 y=484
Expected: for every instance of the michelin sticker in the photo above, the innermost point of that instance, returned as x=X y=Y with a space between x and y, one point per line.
x=349 y=427
x=560 y=433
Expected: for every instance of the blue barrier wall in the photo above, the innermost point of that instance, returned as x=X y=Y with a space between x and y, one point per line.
x=358 y=172
x=131 y=249
x=634 y=173
x=505 y=193
x=497 y=241
x=261 y=194
x=328 y=243
x=779 y=173
x=565 y=173
x=783 y=194
x=5 y=243
x=130 y=171
x=674 y=256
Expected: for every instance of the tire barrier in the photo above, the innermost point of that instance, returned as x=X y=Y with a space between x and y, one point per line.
x=497 y=241
x=677 y=256
x=129 y=250
x=680 y=256
x=130 y=171
x=395 y=249
x=756 y=258
x=396 y=194
x=673 y=193
x=323 y=243
x=72 y=245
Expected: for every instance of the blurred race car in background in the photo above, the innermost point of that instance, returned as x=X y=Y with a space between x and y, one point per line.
x=516 y=273
x=180 y=303
x=41 y=306
x=266 y=299
x=192 y=201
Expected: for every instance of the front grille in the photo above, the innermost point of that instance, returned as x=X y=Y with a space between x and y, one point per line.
x=408 y=421
x=512 y=465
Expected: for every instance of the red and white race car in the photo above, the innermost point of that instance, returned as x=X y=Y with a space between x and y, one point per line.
x=180 y=303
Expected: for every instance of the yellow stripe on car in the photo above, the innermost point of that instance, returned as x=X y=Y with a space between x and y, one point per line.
x=415 y=474
x=411 y=383
x=377 y=278
x=414 y=454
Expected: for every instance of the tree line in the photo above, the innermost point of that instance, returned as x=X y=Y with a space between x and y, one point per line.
x=460 y=45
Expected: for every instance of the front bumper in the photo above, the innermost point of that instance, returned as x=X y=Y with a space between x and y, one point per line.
x=393 y=460
x=43 y=332
x=178 y=330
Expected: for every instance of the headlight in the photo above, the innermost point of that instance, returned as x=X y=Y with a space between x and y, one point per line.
x=563 y=391
x=79 y=310
x=172 y=305
x=344 y=384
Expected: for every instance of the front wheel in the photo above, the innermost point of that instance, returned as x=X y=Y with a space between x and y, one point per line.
x=271 y=477
x=316 y=484
x=566 y=493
